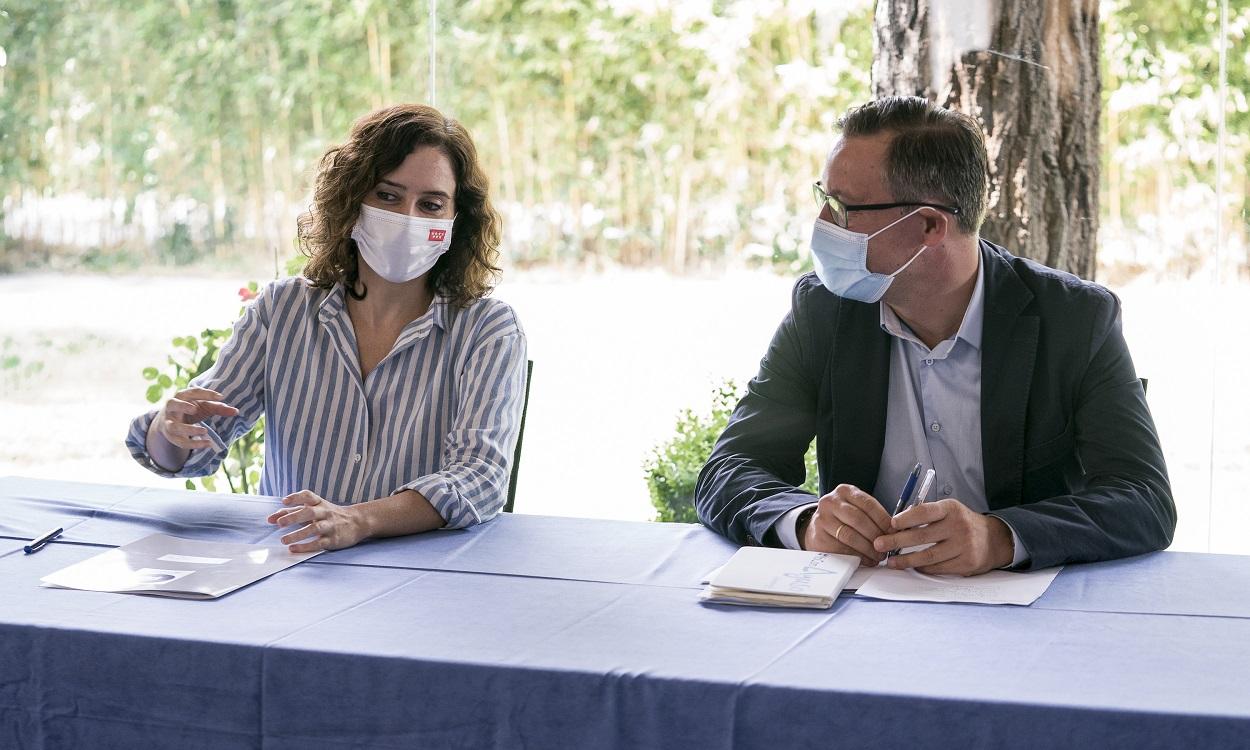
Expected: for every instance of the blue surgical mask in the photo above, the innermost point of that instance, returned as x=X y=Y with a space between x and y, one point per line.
x=841 y=260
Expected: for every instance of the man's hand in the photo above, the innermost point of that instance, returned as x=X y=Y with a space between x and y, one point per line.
x=326 y=525
x=964 y=542
x=847 y=521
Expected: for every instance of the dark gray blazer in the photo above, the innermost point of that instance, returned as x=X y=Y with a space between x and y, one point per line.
x=1072 y=460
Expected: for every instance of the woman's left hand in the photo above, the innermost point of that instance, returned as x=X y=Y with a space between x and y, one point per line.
x=325 y=525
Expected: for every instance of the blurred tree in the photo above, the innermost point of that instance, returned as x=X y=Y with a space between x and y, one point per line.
x=1030 y=72
x=1162 y=99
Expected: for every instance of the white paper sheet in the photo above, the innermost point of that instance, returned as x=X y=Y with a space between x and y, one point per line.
x=860 y=575
x=994 y=587
x=183 y=568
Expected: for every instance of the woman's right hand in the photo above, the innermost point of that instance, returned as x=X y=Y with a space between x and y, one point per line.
x=179 y=417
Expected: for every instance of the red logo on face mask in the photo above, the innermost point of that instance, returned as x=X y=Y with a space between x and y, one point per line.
x=438 y=235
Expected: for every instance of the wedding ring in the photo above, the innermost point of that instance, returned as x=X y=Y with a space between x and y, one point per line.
x=839 y=531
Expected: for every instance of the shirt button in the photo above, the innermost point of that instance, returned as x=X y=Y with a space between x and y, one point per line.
x=357 y=457
x=928 y=362
x=935 y=427
x=948 y=490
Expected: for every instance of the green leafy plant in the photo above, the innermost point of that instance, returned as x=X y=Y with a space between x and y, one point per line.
x=673 y=466
x=192 y=356
x=17 y=369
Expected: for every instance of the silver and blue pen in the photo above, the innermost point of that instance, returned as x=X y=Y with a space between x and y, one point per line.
x=921 y=495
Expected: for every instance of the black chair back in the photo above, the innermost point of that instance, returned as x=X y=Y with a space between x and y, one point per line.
x=516 y=456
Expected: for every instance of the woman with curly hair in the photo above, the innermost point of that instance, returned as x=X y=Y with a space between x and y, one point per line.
x=391 y=385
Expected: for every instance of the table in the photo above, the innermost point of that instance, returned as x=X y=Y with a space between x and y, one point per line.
x=546 y=632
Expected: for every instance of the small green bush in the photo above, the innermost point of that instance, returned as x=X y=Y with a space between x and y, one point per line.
x=192 y=356
x=673 y=466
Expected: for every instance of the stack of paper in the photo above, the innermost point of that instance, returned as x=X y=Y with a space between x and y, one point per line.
x=169 y=566
x=762 y=576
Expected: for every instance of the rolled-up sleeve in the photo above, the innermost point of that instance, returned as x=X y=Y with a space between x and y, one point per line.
x=472 y=484
x=237 y=374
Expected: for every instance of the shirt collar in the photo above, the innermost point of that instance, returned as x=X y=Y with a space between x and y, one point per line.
x=970 y=328
x=335 y=305
x=437 y=314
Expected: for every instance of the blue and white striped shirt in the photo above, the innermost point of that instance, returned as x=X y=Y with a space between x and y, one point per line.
x=438 y=415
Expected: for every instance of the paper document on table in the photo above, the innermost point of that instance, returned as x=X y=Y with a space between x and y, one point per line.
x=994 y=587
x=861 y=575
x=182 y=568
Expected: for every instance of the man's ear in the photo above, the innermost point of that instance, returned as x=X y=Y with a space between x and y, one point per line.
x=937 y=225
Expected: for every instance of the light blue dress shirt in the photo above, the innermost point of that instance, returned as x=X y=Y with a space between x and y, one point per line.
x=933 y=416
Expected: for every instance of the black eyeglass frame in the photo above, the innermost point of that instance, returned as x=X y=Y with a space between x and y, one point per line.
x=842 y=210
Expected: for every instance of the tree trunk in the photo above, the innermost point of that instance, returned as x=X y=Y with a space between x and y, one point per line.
x=218 y=181
x=384 y=55
x=506 y=173
x=572 y=129
x=681 y=219
x=318 y=119
x=1036 y=87
x=375 y=62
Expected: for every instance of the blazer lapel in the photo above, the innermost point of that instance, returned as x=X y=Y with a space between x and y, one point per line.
x=860 y=379
x=1008 y=351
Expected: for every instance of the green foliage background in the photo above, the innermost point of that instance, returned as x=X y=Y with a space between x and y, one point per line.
x=1161 y=106
x=673 y=466
x=614 y=132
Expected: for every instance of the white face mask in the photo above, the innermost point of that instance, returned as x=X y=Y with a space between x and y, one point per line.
x=841 y=260
x=400 y=248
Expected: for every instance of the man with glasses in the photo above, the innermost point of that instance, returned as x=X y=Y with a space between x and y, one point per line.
x=917 y=342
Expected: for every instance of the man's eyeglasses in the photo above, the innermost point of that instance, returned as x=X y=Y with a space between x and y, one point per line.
x=840 y=210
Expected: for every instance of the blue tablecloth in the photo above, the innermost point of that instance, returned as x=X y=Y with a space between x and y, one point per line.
x=543 y=632
x=515 y=544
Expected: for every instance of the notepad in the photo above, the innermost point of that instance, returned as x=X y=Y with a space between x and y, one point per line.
x=762 y=576
x=164 y=565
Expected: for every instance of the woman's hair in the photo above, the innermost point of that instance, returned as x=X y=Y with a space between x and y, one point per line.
x=378 y=144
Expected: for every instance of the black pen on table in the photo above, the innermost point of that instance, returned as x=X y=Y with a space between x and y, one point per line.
x=40 y=542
